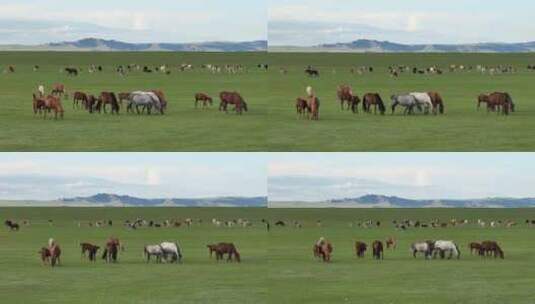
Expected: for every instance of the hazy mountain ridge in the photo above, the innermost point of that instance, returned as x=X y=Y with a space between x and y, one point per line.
x=375 y=46
x=115 y=200
x=95 y=44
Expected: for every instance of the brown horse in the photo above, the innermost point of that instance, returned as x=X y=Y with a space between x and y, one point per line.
x=232 y=98
x=491 y=248
x=92 y=103
x=301 y=107
x=12 y=225
x=345 y=95
x=474 y=247
x=39 y=104
x=323 y=251
x=360 y=249
x=55 y=253
x=90 y=250
x=378 y=249
x=58 y=89
x=502 y=101
x=123 y=96
x=79 y=97
x=45 y=255
x=206 y=100
x=226 y=248
x=373 y=99
x=108 y=98
x=314 y=108
x=53 y=103
x=437 y=101
x=483 y=98
x=163 y=100
x=111 y=250
x=391 y=242
x=211 y=249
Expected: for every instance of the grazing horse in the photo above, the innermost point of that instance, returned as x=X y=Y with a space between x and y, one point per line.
x=171 y=252
x=226 y=248
x=407 y=101
x=71 y=71
x=92 y=104
x=314 y=108
x=423 y=100
x=162 y=100
x=345 y=95
x=89 y=249
x=111 y=250
x=58 y=89
x=360 y=249
x=108 y=98
x=312 y=72
x=232 y=98
x=123 y=96
x=490 y=248
x=12 y=225
x=437 y=101
x=79 y=97
x=153 y=250
x=373 y=99
x=53 y=103
x=391 y=242
x=301 y=107
x=474 y=247
x=55 y=253
x=147 y=100
x=378 y=250
x=39 y=104
x=503 y=101
x=446 y=246
x=323 y=249
x=425 y=247
x=206 y=100
x=45 y=255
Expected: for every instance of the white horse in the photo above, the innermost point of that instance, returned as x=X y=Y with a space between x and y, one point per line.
x=171 y=250
x=145 y=99
x=424 y=247
x=41 y=90
x=446 y=246
x=407 y=101
x=424 y=101
x=153 y=250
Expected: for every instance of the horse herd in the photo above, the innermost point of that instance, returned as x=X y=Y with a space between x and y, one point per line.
x=140 y=101
x=425 y=102
x=323 y=249
x=168 y=252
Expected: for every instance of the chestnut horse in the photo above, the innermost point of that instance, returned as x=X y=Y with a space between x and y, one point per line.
x=301 y=106
x=232 y=98
x=437 y=101
x=206 y=100
x=79 y=97
x=226 y=248
x=108 y=98
x=490 y=248
x=123 y=96
x=91 y=251
x=378 y=249
x=360 y=248
x=53 y=103
x=373 y=99
x=323 y=250
x=391 y=242
x=497 y=102
x=45 y=255
x=474 y=247
x=112 y=250
x=345 y=95
x=314 y=108
x=58 y=89
x=39 y=104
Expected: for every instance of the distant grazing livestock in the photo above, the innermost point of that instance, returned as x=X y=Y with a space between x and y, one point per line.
x=360 y=249
x=89 y=249
x=312 y=72
x=233 y=98
x=206 y=100
x=373 y=99
x=378 y=250
x=489 y=248
x=71 y=71
x=346 y=96
x=226 y=248
x=12 y=225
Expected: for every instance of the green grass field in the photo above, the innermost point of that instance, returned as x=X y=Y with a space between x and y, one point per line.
x=271 y=123
x=277 y=267
x=461 y=129
x=183 y=128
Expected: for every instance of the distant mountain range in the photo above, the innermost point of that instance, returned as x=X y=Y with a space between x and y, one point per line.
x=375 y=46
x=114 y=200
x=95 y=44
x=383 y=201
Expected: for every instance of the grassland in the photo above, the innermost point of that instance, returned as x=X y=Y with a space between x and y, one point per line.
x=183 y=128
x=277 y=267
x=461 y=129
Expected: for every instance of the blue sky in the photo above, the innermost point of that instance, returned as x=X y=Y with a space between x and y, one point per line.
x=41 y=21
x=310 y=22
x=48 y=176
x=323 y=176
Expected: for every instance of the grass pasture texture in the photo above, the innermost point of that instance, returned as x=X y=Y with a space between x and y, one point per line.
x=461 y=129
x=277 y=267
x=182 y=128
